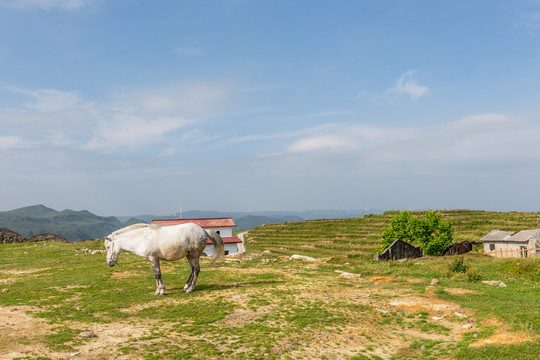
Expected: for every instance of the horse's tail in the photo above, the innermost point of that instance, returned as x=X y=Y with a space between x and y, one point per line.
x=219 y=247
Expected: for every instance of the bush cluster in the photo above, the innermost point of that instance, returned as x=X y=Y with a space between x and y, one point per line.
x=431 y=232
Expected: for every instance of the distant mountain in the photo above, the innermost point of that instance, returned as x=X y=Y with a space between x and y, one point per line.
x=248 y=220
x=71 y=225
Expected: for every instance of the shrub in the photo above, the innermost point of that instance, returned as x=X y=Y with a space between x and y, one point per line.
x=431 y=233
x=472 y=274
x=457 y=265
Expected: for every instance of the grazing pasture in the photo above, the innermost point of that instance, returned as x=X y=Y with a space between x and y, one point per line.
x=61 y=300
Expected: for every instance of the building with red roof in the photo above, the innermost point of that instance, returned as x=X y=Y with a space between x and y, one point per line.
x=223 y=226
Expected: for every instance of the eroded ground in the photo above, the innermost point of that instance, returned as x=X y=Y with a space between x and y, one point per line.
x=279 y=309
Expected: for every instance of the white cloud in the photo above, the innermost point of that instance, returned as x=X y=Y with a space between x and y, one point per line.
x=482 y=123
x=128 y=122
x=325 y=142
x=127 y=131
x=408 y=86
x=340 y=137
x=47 y=4
x=50 y=100
x=377 y=136
x=11 y=142
x=192 y=100
x=49 y=118
x=484 y=140
x=479 y=139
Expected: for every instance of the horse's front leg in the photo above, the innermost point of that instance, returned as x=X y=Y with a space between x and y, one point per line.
x=157 y=274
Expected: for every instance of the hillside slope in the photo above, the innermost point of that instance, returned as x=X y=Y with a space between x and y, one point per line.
x=71 y=225
x=360 y=237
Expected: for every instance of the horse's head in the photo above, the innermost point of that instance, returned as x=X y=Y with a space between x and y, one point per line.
x=113 y=250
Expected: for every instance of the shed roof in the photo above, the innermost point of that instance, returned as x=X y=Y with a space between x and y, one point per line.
x=510 y=236
x=497 y=235
x=526 y=235
x=204 y=223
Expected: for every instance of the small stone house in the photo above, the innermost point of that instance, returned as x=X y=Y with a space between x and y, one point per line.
x=499 y=243
x=223 y=226
x=398 y=250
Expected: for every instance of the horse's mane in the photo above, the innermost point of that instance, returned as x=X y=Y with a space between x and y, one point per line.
x=135 y=227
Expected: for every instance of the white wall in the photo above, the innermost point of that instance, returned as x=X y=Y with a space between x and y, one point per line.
x=231 y=248
x=506 y=245
x=223 y=231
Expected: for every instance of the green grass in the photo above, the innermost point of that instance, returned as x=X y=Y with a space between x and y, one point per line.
x=282 y=309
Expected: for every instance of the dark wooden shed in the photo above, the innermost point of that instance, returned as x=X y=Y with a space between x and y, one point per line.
x=398 y=250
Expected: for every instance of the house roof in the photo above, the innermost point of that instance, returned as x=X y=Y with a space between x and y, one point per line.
x=228 y=240
x=526 y=235
x=497 y=235
x=204 y=223
x=510 y=236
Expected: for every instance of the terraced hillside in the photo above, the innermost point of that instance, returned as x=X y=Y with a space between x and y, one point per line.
x=360 y=237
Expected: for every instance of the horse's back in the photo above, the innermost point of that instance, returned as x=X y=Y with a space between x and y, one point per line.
x=183 y=231
x=176 y=241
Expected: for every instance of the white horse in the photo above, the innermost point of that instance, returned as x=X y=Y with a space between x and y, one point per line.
x=169 y=243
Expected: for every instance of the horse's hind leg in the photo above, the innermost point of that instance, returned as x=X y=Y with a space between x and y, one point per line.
x=157 y=273
x=195 y=270
x=189 y=280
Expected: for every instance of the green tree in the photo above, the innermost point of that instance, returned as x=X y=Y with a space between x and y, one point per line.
x=431 y=232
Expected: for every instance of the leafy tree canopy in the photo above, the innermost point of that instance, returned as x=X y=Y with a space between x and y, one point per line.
x=431 y=232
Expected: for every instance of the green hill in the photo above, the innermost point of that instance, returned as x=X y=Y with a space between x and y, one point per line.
x=72 y=225
x=360 y=237
x=250 y=221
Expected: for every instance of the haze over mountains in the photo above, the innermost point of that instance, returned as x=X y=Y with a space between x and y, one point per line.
x=80 y=225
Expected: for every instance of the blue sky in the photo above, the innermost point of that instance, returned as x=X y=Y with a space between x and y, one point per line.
x=127 y=107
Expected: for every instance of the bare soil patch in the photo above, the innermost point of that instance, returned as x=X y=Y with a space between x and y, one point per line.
x=20 y=332
x=24 y=272
x=460 y=291
x=503 y=338
x=122 y=274
x=239 y=318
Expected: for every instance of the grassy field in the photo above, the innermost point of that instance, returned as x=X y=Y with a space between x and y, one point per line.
x=267 y=306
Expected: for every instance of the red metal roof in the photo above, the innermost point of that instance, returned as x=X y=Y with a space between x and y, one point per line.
x=204 y=223
x=228 y=240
